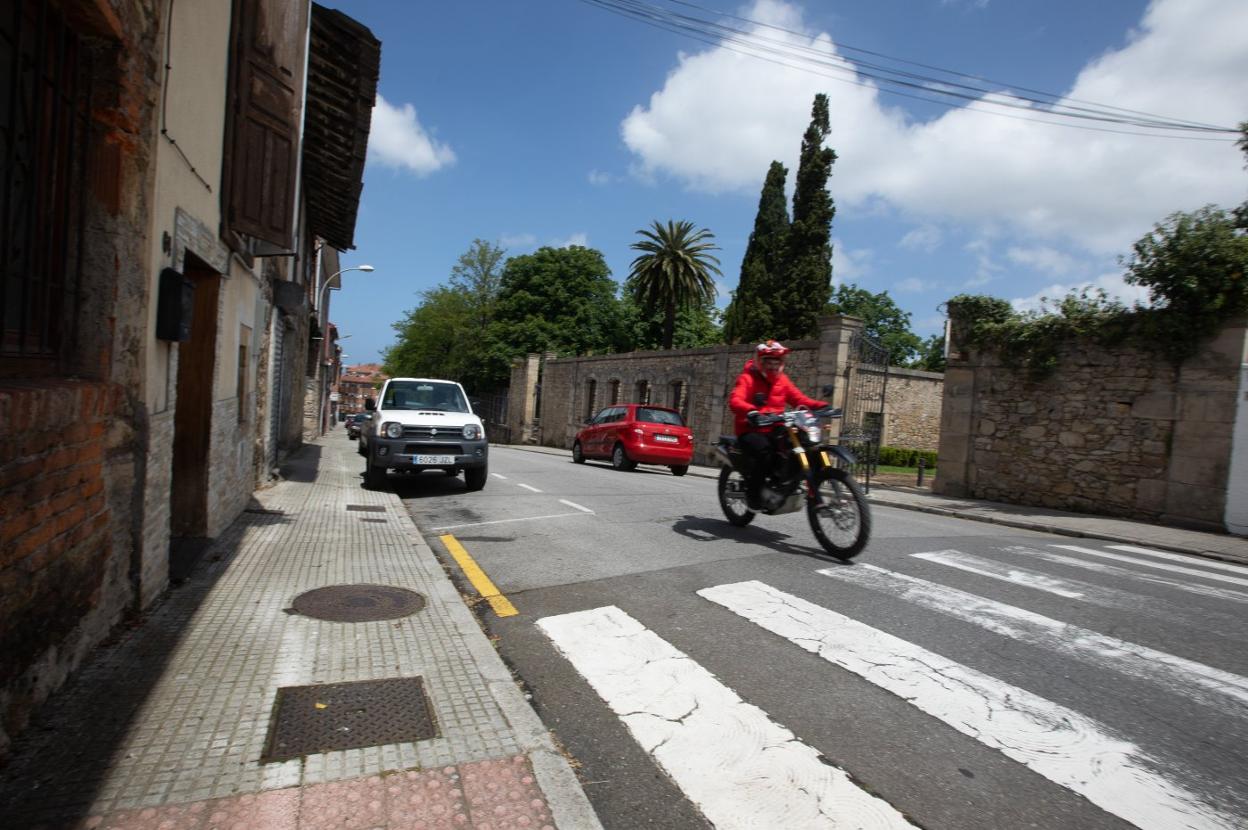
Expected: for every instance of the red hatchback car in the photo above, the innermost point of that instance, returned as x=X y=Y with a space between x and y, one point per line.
x=632 y=433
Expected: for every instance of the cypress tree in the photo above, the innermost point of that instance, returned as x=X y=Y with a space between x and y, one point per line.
x=808 y=275
x=749 y=315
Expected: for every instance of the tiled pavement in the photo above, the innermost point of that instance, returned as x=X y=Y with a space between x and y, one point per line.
x=165 y=728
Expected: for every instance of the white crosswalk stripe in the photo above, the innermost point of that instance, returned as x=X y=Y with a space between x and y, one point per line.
x=1079 y=590
x=1229 y=594
x=740 y=768
x=1179 y=569
x=1196 y=681
x=1055 y=741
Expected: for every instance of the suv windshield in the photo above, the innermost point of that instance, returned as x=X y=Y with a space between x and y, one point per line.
x=659 y=416
x=443 y=397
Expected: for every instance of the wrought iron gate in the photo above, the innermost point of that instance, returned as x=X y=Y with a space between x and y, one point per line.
x=866 y=385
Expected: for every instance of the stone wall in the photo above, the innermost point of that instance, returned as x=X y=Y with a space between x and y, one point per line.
x=912 y=410
x=1115 y=432
x=699 y=381
x=231 y=479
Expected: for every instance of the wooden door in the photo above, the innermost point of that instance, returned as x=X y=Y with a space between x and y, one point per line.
x=193 y=412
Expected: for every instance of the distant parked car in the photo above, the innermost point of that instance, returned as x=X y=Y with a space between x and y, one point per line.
x=363 y=422
x=353 y=425
x=632 y=433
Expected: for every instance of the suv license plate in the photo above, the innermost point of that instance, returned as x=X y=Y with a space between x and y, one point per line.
x=667 y=439
x=433 y=459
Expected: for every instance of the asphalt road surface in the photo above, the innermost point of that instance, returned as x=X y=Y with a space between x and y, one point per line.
x=953 y=677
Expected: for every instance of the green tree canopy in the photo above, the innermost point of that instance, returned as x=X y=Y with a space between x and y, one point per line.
x=556 y=299
x=883 y=320
x=695 y=325
x=808 y=273
x=748 y=317
x=673 y=271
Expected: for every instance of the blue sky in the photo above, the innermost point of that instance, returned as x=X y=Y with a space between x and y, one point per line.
x=556 y=122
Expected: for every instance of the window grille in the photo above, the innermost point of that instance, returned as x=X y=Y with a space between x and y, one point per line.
x=45 y=106
x=680 y=398
x=643 y=391
x=615 y=392
x=591 y=398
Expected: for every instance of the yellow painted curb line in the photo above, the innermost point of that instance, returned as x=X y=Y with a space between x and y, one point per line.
x=501 y=605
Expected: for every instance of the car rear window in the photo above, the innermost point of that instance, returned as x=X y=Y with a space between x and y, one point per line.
x=659 y=416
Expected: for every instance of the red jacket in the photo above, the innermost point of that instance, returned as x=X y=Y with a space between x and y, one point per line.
x=778 y=396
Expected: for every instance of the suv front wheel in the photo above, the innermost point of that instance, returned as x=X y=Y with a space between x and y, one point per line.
x=474 y=477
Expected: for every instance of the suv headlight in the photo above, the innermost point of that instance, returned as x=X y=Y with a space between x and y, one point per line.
x=471 y=432
x=392 y=429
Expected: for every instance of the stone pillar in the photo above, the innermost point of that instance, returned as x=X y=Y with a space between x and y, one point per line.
x=522 y=399
x=834 y=362
x=1237 y=478
x=957 y=420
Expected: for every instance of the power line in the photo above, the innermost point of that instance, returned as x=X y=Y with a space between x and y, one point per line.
x=969 y=89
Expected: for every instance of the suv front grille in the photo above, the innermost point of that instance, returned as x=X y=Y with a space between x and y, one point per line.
x=433 y=449
x=433 y=433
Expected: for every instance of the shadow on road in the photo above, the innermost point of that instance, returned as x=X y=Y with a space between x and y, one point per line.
x=702 y=529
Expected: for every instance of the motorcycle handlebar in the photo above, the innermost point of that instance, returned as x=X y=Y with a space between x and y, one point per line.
x=766 y=420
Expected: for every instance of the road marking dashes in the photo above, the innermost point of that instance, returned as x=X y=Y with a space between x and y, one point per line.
x=528 y=487
x=738 y=766
x=575 y=506
x=499 y=475
x=1116 y=571
x=1135 y=560
x=1059 y=743
x=506 y=521
x=1195 y=681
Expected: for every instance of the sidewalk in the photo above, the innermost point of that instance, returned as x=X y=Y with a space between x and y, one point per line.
x=1122 y=531
x=167 y=726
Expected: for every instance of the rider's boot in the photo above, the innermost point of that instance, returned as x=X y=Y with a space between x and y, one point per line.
x=754 y=492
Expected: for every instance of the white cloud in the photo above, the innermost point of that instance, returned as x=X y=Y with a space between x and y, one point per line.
x=1043 y=258
x=926 y=238
x=517 y=240
x=849 y=265
x=721 y=117
x=986 y=268
x=911 y=285
x=1112 y=284
x=598 y=178
x=397 y=139
x=580 y=238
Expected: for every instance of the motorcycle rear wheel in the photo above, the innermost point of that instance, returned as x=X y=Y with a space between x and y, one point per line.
x=732 y=497
x=841 y=518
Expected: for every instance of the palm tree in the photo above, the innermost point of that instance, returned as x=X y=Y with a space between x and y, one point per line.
x=673 y=271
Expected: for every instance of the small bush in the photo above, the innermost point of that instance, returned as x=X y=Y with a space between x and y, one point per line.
x=903 y=457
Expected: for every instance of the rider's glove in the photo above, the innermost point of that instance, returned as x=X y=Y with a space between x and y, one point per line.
x=752 y=416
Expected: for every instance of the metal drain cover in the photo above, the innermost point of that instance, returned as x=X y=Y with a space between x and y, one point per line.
x=358 y=603
x=366 y=508
x=312 y=719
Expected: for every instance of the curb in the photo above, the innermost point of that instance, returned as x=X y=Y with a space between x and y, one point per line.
x=569 y=806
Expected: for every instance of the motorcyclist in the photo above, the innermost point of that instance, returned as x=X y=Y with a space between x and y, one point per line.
x=762 y=387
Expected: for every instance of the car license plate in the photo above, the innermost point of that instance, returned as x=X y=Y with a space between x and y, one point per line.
x=433 y=459
x=667 y=439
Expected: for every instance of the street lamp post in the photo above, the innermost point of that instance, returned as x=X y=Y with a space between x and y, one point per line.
x=329 y=283
x=325 y=408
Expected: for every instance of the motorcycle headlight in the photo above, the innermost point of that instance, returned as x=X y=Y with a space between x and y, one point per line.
x=471 y=432
x=392 y=429
x=814 y=433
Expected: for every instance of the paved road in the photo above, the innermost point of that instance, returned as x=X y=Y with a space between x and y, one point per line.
x=956 y=676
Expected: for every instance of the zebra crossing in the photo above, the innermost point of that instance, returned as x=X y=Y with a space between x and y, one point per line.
x=741 y=768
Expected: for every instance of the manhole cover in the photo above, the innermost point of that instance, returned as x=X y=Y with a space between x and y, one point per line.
x=366 y=508
x=311 y=719
x=357 y=603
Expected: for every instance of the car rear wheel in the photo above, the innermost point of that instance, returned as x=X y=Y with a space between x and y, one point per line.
x=679 y=469
x=578 y=455
x=620 y=459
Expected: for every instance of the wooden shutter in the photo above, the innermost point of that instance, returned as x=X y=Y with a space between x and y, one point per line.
x=268 y=42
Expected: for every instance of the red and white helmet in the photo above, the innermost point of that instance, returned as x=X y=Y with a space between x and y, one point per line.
x=771 y=348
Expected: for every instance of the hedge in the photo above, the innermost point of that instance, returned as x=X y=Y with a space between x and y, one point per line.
x=903 y=457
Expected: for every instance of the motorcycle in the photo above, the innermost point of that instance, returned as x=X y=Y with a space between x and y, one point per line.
x=803 y=472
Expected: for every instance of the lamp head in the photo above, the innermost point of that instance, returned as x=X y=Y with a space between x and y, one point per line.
x=367 y=268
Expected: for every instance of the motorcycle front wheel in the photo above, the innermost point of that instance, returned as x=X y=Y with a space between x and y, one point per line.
x=840 y=517
x=732 y=497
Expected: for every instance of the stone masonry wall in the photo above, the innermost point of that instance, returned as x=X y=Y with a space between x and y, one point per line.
x=912 y=409
x=707 y=376
x=1111 y=432
x=230 y=476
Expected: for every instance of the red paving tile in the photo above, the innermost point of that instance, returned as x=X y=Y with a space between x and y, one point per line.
x=487 y=795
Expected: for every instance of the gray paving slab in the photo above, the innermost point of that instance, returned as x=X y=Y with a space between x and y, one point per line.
x=179 y=709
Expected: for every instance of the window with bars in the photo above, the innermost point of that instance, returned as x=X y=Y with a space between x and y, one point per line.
x=615 y=392
x=679 y=398
x=643 y=391
x=45 y=107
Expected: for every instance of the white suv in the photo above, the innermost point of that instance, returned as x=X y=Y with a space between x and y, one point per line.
x=425 y=424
